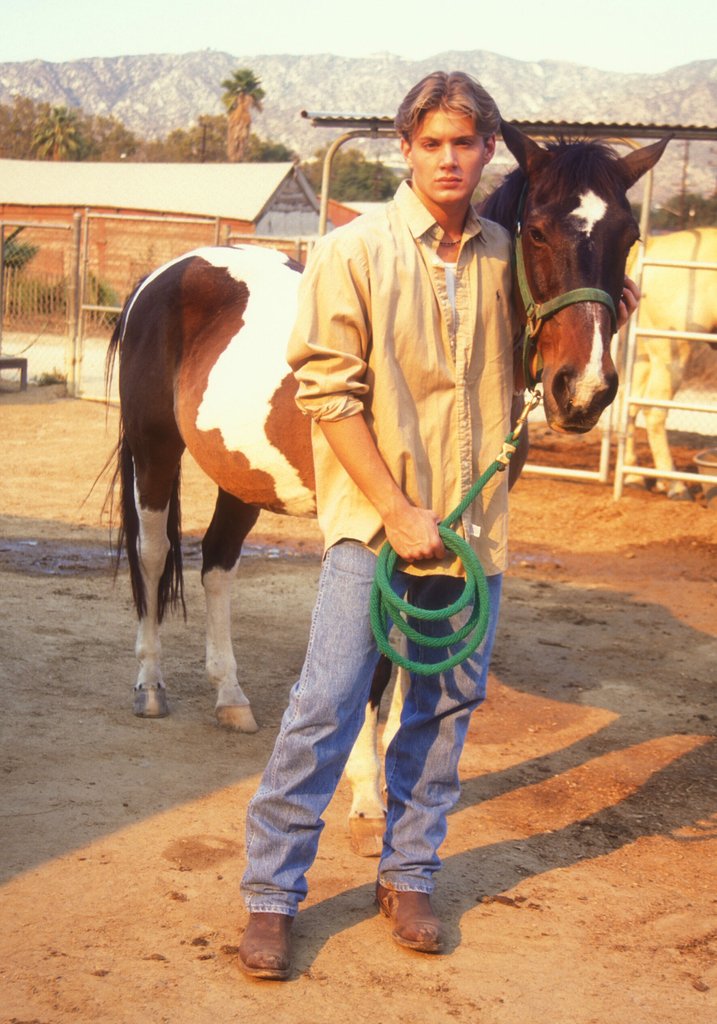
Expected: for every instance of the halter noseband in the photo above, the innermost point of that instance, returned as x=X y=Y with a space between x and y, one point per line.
x=537 y=312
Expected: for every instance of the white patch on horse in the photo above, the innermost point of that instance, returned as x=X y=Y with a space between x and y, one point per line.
x=591 y=210
x=592 y=378
x=237 y=400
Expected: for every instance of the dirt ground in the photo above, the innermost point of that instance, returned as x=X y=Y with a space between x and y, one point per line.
x=580 y=877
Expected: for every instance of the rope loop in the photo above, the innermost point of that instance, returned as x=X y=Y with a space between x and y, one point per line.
x=386 y=608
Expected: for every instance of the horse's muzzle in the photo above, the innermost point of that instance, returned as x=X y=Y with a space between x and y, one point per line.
x=572 y=410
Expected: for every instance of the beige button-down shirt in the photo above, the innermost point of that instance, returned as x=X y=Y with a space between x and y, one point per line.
x=376 y=333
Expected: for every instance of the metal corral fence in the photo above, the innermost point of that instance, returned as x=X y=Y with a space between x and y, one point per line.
x=63 y=286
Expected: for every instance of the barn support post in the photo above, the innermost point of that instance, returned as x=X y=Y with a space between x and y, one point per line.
x=2 y=280
x=73 y=301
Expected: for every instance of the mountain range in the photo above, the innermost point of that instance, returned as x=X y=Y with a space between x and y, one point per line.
x=154 y=94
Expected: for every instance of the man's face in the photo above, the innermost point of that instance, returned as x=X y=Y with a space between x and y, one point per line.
x=446 y=158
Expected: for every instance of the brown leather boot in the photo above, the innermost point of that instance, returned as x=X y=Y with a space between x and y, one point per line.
x=265 y=948
x=415 y=924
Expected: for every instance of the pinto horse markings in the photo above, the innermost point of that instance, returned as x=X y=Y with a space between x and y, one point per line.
x=201 y=347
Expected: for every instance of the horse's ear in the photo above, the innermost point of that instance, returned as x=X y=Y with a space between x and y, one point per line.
x=639 y=161
x=530 y=156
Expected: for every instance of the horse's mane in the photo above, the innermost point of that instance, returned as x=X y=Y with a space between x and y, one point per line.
x=576 y=165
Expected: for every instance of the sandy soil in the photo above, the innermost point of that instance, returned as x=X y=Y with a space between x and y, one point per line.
x=580 y=878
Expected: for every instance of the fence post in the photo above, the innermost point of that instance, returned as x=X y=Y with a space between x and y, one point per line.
x=2 y=279
x=73 y=288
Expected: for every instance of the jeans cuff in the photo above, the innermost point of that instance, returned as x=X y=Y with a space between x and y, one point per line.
x=412 y=885
x=263 y=907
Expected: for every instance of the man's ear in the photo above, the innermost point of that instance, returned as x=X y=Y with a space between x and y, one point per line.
x=489 y=151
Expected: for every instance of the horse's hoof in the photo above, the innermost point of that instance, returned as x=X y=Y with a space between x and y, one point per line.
x=366 y=836
x=680 y=495
x=150 y=703
x=238 y=717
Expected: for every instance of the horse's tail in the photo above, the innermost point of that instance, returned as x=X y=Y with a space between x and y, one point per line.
x=171 y=584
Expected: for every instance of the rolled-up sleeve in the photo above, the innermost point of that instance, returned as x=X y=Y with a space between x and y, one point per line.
x=328 y=347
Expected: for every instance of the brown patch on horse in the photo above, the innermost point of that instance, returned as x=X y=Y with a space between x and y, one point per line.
x=289 y=431
x=212 y=309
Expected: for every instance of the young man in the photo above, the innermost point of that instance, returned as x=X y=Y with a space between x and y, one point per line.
x=403 y=350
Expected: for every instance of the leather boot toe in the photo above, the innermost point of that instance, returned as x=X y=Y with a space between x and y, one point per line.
x=415 y=924
x=265 y=948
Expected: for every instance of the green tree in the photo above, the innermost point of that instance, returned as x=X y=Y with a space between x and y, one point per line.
x=264 y=151
x=58 y=135
x=353 y=176
x=685 y=211
x=18 y=254
x=242 y=95
x=17 y=127
x=106 y=139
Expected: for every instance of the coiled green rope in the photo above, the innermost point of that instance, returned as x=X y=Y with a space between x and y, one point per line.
x=386 y=607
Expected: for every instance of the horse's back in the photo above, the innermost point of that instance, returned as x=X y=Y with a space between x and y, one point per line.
x=207 y=333
x=676 y=298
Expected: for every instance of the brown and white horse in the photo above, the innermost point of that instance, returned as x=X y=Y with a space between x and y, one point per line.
x=201 y=347
x=673 y=299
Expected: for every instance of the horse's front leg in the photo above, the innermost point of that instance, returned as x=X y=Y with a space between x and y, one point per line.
x=367 y=817
x=666 y=366
x=221 y=549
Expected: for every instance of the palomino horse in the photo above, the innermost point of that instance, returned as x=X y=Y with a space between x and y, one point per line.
x=201 y=347
x=673 y=299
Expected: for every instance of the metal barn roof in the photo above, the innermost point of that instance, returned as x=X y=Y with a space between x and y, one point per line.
x=384 y=123
x=235 y=191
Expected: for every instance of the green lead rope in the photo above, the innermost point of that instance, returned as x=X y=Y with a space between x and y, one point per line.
x=387 y=608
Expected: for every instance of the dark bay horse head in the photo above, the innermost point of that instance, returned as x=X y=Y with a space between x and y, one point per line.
x=574 y=229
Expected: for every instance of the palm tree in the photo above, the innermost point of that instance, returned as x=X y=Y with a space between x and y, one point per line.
x=242 y=94
x=57 y=135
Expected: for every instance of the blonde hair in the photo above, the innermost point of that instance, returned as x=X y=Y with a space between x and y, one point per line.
x=456 y=92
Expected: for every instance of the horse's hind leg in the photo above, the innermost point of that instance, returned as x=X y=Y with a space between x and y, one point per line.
x=221 y=549
x=151 y=520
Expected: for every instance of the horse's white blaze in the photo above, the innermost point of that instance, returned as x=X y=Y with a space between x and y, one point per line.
x=593 y=377
x=591 y=210
x=248 y=372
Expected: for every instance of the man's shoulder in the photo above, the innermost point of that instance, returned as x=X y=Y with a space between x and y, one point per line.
x=495 y=234
x=359 y=236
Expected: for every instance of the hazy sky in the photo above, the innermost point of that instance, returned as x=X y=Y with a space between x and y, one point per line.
x=630 y=35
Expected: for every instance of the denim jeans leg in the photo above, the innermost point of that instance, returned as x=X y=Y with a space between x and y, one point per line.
x=422 y=760
x=325 y=714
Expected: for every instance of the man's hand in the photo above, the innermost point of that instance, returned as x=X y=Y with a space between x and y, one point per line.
x=628 y=302
x=412 y=532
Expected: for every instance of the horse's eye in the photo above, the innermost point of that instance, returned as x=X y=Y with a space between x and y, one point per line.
x=536 y=235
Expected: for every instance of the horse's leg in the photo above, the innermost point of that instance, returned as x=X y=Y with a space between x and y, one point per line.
x=398 y=697
x=665 y=376
x=640 y=376
x=221 y=550
x=153 y=545
x=367 y=817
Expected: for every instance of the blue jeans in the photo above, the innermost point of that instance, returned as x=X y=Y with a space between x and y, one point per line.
x=325 y=714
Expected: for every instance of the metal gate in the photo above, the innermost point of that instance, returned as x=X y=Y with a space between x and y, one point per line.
x=630 y=401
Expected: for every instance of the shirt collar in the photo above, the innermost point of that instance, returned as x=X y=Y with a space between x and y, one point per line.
x=421 y=221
